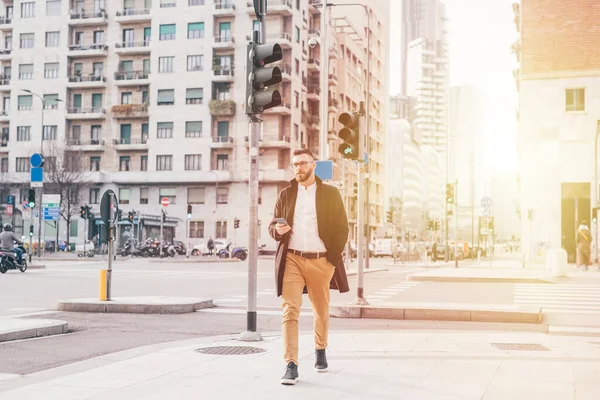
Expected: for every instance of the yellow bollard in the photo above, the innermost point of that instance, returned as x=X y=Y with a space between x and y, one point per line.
x=103 y=286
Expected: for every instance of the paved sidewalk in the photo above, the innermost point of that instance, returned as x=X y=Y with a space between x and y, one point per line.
x=412 y=365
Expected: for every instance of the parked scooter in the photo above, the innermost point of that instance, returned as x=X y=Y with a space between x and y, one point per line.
x=8 y=260
x=238 y=252
x=129 y=250
x=167 y=250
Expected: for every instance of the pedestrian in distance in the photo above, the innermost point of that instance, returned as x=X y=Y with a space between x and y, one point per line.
x=584 y=240
x=210 y=245
x=311 y=228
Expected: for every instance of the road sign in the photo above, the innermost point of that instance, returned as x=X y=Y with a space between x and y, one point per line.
x=324 y=170
x=10 y=200
x=105 y=205
x=51 y=207
x=486 y=202
x=37 y=174
x=36 y=160
x=165 y=202
x=8 y=209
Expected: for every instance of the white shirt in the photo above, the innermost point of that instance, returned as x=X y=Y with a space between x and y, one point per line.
x=305 y=230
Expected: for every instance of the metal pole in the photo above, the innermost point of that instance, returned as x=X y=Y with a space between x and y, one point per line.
x=456 y=225
x=597 y=187
x=85 y=236
x=162 y=217
x=360 y=299
x=447 y=249
x=110 y=246
x=367 y=133
x=42 y=187
x=323 y=147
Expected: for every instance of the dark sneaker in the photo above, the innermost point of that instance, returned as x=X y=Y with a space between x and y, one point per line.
x=321 y=362
x=291 y=374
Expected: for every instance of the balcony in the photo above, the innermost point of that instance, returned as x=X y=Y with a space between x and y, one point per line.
x=282 y=38
x=86 y=81
x=130 y=111
x=286 y=72
x=126 y=48
x=314 y=65
x=333 y=105
x=281 y=7
x=6 y=55
x=274 y=141
x=86 y=145
x=223 y=42
x=5 y=85
x=4 y=143
x=92 y=50
x=334 y=53
x=222 y=142
x=314 y=93
x=313 y=122
x=333 y=80
x=283 y=109
x=6 y=24
x=88 y=113
x=332 y=135
x=132 y=16
x=132 y=78
x=131 y=144
x=223 y=74
x=314 y=33
x=222 y=108
x=312 y=6
x=224 y=8
x=4 y=116
x=79 y=18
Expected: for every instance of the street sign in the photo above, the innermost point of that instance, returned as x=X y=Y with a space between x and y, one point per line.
x=36 y=184
x=165 y=202
x=10 y=200
x=105 y=206
x=37 y=174
x=324 y=170
x=51 y=207
x=36 y=160
x=8 y=209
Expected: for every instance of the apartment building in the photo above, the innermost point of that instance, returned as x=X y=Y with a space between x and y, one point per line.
x=150 y=95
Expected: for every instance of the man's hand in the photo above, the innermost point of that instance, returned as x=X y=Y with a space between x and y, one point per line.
x=282 y=229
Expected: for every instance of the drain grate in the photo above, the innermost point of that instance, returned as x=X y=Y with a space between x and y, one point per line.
x=520 y=346
x=230 y=350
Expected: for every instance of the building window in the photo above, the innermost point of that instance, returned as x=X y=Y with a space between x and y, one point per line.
x=4 y=165
x=170 y=193
x=195 y=62
x=95 y=164
x=297 y=34
x=94 y=196
x=96 y=133
x=222 y=162
x=50 y=101
x=167 y=32
x=223 y=130
x=28 y=10
x=23 y=164
x=222 y=91
x=165 y=64
x=126 y=98
x=144 y=163
x=168 y=3
x=24 y=102
x=296 y=99
x=143 y=195
x=196 y=30
x=194 y=96
x=164 y=130
x=50 y=132
x=124 y=194
x=164 y=163
x=166 y=97
x=193 y=162
x=222 y=195
x=51 y=70
x=23 y=133
x=297 y=67
x=196 y=229
x=221 y=230
x=52 y=39
x=27 y=40
x=53 y=8
x=195 y=2
x=25 y=72
x=196 y=195
x=124 y=162
x=575 y=99
x=193 y=129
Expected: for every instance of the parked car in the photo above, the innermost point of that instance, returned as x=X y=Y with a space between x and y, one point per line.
x=202 y=248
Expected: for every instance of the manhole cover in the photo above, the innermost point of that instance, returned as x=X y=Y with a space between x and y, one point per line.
x=520 y=346
x=230 y=350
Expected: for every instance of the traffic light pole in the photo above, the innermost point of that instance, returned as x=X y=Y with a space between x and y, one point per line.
x=361 y=255
x=456 y=225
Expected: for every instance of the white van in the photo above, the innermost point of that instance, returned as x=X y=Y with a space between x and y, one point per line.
x=383 y=248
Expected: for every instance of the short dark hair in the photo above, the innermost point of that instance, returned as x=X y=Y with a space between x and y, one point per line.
x=299 y=152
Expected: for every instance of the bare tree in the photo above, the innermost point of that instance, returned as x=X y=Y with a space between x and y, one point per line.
x=65 y=175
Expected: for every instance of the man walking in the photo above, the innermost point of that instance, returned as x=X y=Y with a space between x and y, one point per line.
x=311 y=226
x=210 y=245
x=584 y=240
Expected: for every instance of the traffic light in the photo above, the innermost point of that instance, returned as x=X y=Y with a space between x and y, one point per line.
x=30 y=230
x=450 y=193
x=437 y=225
x=390 y=215
x=130 y=216
x=119 y=214
x=236 y=223
x=83 y=212
x=355 y=191
x=164 y=215
x=594 y=214
x=350 y=134
x=430 y=224
x=31 y=198
x=260 y=77
x=189 y=211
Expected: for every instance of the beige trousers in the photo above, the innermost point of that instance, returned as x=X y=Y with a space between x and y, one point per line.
x=316 y=274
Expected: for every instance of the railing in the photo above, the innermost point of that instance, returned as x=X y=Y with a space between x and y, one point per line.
x=315 y=2
x=4 y=82
x=225 y=5
x=316 y=32
x=86 y=110
x=224 y=39
x=3 y=113
x=83 y=15
x=333 y=77
x=130 y=110
x=79 y=142
x=5 y=20
x=168 y=5
x=280 y=35
x=314 y=61
x=285 y=68
x=222 y=139
x=95 y=46
x=314 y=89
x=87 y=78
x=128 y=45
x=130 y=11
x=223 y=71
x=131 y=75
x=275 y=138
x=272 y=3
x=314 y=120
x=5 y=51
x=142 y=140
x=195 y=2
x=333 y=103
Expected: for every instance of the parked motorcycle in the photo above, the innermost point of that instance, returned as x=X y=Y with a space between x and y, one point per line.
x=8 y=260
x=129 y=250
x=180 y=248
x=167 y=250
x=238 y=252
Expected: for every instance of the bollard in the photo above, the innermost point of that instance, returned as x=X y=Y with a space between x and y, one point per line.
x=103 y=287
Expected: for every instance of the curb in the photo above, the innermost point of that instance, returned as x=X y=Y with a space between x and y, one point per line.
x=528 y=315
x=367 y=271
x=139 y=305
x=48 y=327
x=39 y=266
x=218 y=260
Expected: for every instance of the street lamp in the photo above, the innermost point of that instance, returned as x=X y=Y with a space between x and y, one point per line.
x=39 y=250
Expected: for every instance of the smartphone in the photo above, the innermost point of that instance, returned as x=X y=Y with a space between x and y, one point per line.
x=281 y=221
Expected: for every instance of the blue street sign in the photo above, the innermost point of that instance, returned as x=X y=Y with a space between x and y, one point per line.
x=37 y=214
x=37 y=174
x=36 y=160
x=366 y=158
x=10 y=200
x=324 y=170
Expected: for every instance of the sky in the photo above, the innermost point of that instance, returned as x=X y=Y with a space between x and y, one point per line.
x=480 y=34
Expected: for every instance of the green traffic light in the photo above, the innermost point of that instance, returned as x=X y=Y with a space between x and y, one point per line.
x=348 y=150
x=31 y=204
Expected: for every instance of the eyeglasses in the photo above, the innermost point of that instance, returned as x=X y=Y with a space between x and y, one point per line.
x=300 y=164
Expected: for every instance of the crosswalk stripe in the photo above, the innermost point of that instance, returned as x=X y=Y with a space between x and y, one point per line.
x=560 y=298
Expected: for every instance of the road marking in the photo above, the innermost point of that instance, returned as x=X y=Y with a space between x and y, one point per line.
x=560 y=298
x=217 y=310
x=386 y=293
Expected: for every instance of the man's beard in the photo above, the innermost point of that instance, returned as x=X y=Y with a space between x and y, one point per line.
x=304 y=177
